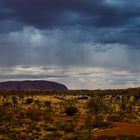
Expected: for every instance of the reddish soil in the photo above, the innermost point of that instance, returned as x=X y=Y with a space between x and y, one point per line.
x=120 y=128
x=67 y=118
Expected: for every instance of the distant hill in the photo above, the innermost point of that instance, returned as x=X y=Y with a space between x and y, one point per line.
x=31 y=85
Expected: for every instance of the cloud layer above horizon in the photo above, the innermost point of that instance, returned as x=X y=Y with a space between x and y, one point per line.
x=83 y=44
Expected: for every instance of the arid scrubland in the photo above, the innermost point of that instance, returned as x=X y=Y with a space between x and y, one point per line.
x=69 y=115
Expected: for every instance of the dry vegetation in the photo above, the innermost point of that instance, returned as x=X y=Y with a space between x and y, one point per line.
x=70 y=115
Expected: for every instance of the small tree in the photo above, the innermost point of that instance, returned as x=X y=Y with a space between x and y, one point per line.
x=71 y=111
x=15 y=101
x=94 y=106
x=21 y=97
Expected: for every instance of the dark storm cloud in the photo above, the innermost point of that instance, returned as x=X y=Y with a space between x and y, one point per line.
x=86 y=40
x=128 y=36
x=69 y=47
x=58 y=13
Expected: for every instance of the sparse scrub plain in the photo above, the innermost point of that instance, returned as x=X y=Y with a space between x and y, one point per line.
x=70 y=115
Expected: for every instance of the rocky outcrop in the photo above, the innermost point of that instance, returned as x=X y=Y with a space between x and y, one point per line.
x=31 y=85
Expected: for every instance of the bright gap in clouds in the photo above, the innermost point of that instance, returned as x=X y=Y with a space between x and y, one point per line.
x=74 y=78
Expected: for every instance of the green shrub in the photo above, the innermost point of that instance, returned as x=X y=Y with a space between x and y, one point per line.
x=4 y=130
x=47 y=103
x=50 y=129
x=66 y=126
x=71 y=110
x=29 y=100
x=70 y=136
x=102 y=124
x=53 y=136
x=115 y=118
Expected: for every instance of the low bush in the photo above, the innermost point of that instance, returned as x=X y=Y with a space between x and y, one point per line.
x=71 y=110
x=115 y=118
x=29 y=100
x=102 y=124
x=66 y=126
x=53 y=136
x=50 y=129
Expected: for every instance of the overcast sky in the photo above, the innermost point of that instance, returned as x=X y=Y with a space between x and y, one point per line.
x=84 y=44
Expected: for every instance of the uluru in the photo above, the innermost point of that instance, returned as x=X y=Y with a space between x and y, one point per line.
x=32 y=85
